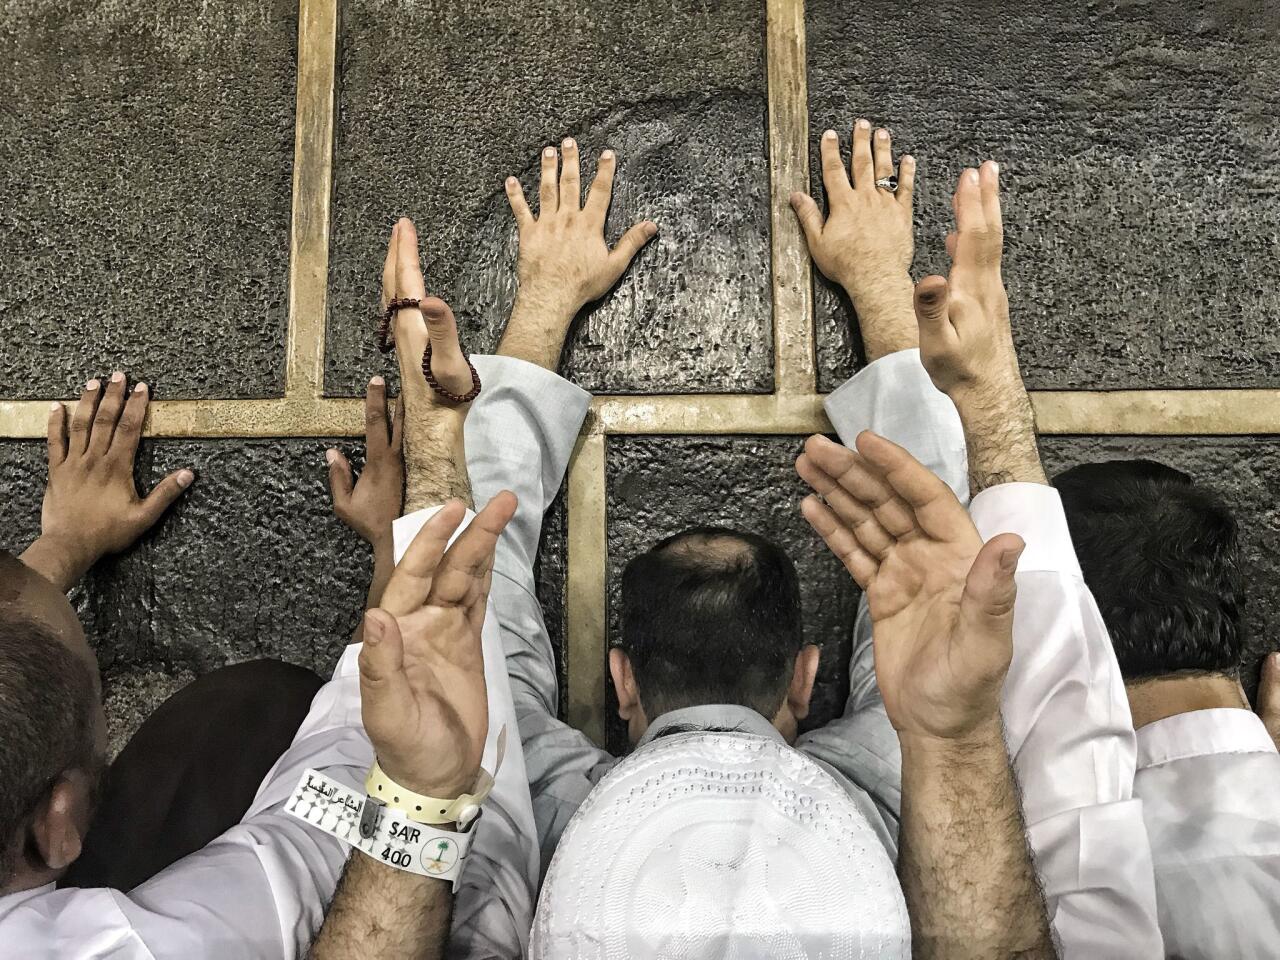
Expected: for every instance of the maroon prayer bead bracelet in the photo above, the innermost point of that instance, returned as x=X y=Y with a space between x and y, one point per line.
x=386 y=343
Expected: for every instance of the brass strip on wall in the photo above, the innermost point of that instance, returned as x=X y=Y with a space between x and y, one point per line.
x=585 y=599
x=312 y=181
x=1119 y=412
x=793 y=335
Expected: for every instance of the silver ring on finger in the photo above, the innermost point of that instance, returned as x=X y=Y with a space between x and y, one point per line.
x=889 y=183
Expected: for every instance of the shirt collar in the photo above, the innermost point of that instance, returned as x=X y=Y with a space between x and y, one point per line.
x=11 y=900
x=1200 y=733
x=712 y=716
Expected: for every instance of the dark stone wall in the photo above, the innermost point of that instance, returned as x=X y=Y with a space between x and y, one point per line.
x=442 y=100
x=146 y=157
x=1139 y=159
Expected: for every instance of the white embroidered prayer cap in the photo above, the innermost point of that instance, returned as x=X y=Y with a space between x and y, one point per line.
x=720 y=845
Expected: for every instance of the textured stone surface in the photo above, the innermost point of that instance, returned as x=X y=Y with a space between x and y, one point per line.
x=442 y=100
x=146 y=150
x=250 y=564
x=658 y=486
x=1246 y=472
x=1139 y=154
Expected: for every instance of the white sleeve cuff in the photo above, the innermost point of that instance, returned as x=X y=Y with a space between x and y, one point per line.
x=894 y=397
x=1034 y=512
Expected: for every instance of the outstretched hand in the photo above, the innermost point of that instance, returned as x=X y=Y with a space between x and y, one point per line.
x=422 y=686
x=91 y=504
x=371 y=505
x=865 y=242
x=564 y=261
x=941 y=602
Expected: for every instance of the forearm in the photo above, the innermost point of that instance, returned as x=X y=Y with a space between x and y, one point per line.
x=886 y=317
x=380 y=911
x=56 y=562
x=963 y=860
x=384 y=564
x=999 y=433
x=537 y=329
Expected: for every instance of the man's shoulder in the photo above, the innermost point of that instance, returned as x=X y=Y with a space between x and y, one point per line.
x=69 y=924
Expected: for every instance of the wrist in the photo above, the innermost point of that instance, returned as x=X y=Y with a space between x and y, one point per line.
x=886 y=316
x=553 y=306
x=986 y=732
x=60 y=560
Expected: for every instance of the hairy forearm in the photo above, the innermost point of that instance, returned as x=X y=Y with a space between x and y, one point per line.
x=537 y=329
x=963 y=860
x=379 y=911
x=58 y=563
x=886 y=317
x=999 y=433
x=435 y=459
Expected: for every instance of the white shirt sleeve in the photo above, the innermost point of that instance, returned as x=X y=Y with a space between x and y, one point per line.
x=493 y=908
x=1071 y=739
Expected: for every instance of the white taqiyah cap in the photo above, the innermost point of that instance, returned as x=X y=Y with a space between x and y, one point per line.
x=720 y=845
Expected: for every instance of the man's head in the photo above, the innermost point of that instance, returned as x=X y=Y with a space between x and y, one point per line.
x=1161 y=556
x=712 y=616
x=53 y=738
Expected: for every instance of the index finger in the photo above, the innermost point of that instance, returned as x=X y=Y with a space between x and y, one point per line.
x=467 y=562
x=409 y=281
x=410 y=582
x=376 y=434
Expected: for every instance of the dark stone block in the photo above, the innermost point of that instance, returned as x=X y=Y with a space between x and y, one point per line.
x=250 y=563
x=658 y=486
x=1246 y=472
x=1139 y=163
x=146 y=156
x=440 y=102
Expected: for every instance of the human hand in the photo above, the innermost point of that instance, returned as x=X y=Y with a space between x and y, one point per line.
x=422 y=686
x=1269 y=696
x=865 y=244
x=371 y=505
x=91 y=504
x=564 y=262
x=941 y=602
x=413 y=328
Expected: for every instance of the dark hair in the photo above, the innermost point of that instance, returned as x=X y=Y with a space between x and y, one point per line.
x=46 y=724
x=712 y=616
x=1161 y=555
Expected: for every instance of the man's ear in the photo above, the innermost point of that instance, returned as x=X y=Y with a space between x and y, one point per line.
x=61 y=821
x=802 y=677
x=624 y=684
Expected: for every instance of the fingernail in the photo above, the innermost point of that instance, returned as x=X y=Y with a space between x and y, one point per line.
x=185 y=478
x=92 y=384
x=607 y=155
x=372 y=629
x=140 y=388
x=377 y=382
x=330 y=456
x=864 y=124
x=995 y=168
x=1274 y=660
x=908 y=158
x=512 y=181
x=55 y=406
x=549 y=152
x=829 y=135
x=1009 y=560
x=117 y=377
x=882 y=134
x=568 y=143
x=972 y=175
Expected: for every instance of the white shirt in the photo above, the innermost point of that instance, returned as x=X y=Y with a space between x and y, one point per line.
x=260 y=889
x=1066 y=715
x=1210 y=787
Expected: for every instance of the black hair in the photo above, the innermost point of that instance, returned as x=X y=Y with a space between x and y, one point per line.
x=46 y=725
x=1161 y=555
x=712 y=615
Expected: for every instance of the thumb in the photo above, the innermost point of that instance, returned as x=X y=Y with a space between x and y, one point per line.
x=809 y=215
x=630 y=244
x=986 y=608
x=386 y=698
x=340 y=482
x=1269 y=696
x=932 y=296
x=448 y=362
x=162 y=497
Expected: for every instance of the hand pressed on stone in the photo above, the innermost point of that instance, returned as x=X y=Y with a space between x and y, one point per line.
x=564 y=261
x=91 y=504
x=941 y=602
x=865 y=243
x=422 y=686
x=402 y=279
x=370 y=505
